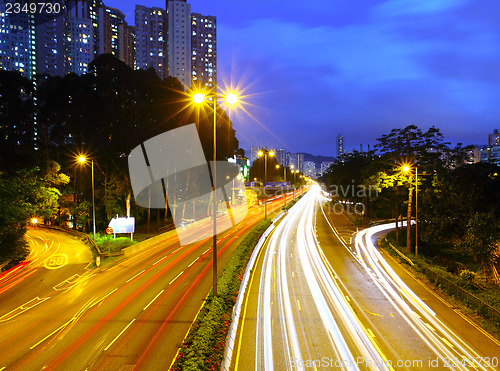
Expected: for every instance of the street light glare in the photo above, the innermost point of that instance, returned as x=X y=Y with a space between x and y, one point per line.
x=271 y=153
x=231 y=98
x=81 y=159
x=199 y=98
x=260 y=153
x=406 y=168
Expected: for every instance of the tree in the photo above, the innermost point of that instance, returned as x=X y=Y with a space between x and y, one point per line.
x=482 y=237
x=27 y=194
x=413 y=147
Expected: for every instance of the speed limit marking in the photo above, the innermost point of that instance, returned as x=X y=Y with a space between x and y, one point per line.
x=109 y=230
x=56 y=261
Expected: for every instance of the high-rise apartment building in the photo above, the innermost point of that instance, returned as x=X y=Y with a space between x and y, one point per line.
x=126 y=44
x=178 y=26
x=17 y=42
x=494 y=139
x=297 y=160
x=79 y=37
x=281 y=156
x=254 y=153
x=310 y=168
x=51 y=45
x=120 y=37
x=340 y=145
x=102 y=32
x=325 y=166
x=204 y=50
x=150 y=39
x=172 y=41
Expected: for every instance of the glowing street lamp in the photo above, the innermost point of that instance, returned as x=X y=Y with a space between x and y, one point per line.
x=265 y=153
x=199 y=98
x=231 y=99
x=83 y=160
x=407 y=169
x=286 y=189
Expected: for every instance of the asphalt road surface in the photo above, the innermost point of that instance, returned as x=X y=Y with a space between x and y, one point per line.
x=315 y=301
x=131 y=315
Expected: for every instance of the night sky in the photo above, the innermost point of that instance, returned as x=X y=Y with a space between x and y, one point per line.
x=314 y=69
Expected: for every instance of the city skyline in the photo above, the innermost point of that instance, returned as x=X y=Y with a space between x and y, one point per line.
x=360 y=72
x=357 y=70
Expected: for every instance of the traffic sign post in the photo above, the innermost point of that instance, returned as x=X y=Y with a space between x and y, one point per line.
x=109 y=232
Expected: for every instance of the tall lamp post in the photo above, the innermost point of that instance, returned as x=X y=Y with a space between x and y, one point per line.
x=407 y=169
x=284 y=179
x=82 y=160
x=266 y=154
x=231 y=99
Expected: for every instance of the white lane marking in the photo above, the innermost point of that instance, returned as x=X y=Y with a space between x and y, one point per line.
x=176 y=278
x=130 y=279
x=207 y=250
x=447 y=342
x=194 y=261
x=430 y=327
x=151 y=302
x=120 y=334
x=160 y=260
x=177 y=250
x=105 y=296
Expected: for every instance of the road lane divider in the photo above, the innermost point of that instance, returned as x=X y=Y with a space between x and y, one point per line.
x=23 y=308
x=89 y=304
x=120 y=334
x=175 y=278
x=194 y=261
x=228 y=353
x=68 y=283
x=138 y=274
x=151 y=302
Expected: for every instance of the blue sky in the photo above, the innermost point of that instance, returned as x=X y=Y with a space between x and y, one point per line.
x=320 y=68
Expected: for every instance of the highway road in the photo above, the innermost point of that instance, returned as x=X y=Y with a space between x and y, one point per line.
x=55 y=259
x=314 y=302
x=133 y=314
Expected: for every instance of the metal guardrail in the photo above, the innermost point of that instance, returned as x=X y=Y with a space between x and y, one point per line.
x=400 y=253
x=231 y=336
x=471 y=300
x=82 y=235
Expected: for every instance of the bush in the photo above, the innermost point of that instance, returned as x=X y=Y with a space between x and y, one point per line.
x=108 y=244
x=203 y=347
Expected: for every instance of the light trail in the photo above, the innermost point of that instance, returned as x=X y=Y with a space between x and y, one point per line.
x=282 y=329
x=444 y=342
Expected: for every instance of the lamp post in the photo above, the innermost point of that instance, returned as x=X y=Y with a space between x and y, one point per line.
x=407 y=169
x=230 y=99
x=284 y=179
x=82 y=160
x=265 y=153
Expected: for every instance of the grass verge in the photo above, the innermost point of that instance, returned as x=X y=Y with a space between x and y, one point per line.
x=109 y=245
x=488 y=292
x=203 y=347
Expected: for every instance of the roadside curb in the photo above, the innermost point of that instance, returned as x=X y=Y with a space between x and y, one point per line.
x=228 y=351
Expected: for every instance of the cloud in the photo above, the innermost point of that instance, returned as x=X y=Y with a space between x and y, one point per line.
x=396 y=8
x=429 y=64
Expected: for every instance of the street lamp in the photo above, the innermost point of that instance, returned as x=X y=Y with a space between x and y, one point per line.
x=407 y=169
x=284 y=180
x=231 y=99
x=83 y=160
x=265 y=153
